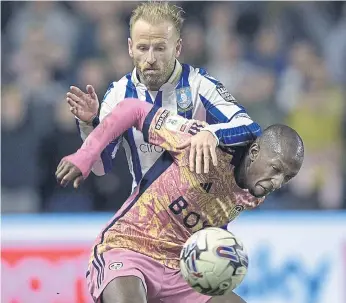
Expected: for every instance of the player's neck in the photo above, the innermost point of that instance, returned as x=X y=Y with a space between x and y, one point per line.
x=240 y=171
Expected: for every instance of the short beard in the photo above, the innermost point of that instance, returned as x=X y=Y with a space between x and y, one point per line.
x=154 y=82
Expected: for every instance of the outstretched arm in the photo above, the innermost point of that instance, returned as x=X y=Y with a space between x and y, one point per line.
x=85 y=108
x=125 y=115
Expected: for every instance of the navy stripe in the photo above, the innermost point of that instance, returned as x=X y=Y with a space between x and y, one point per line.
x=87 y=274
x=158 y=99
x=187 y=114
x=214 y=115
x=95 y=122
x=77 y=123
x=99 y=265
x=239 y=134
x=106 y=154
x=131 y=92
x=147 y=122
x=148 y=97
x=98 y=274
x=184 y=78
x=159 y=167
x=136 y=164
x=108 y=91
x=99 y=270
x=130 y=84
x=205 y=74
x=103 y=267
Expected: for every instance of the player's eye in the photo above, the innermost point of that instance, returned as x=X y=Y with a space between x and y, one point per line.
x=160 y=49
x=142 y=48
x=275 y=168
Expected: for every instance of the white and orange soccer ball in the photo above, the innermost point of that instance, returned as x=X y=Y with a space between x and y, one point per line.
x=213 y=261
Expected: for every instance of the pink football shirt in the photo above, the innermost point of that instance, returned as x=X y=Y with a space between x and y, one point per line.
x=171 y=203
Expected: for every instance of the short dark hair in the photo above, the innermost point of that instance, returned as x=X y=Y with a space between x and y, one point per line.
x=278 y=137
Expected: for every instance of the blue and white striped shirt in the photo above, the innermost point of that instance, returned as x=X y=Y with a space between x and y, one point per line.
x=191 y=93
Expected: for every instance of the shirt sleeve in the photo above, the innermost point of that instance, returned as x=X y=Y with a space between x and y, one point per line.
x=128 y=113
x=104 y=163
x=227 y=119
x=162 y=128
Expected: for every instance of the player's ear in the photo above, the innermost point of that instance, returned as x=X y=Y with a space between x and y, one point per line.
x=178 y=47
x=254 y=151
x=129 y=42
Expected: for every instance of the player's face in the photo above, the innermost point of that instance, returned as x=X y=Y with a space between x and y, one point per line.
x=154 y=49
x=269 y=171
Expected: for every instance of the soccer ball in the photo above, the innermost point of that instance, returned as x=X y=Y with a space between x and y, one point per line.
x=213 y=261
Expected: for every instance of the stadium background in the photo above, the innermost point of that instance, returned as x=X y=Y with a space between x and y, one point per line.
x=284 y=61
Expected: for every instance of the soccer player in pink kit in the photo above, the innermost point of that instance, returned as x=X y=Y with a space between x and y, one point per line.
x=136 y=256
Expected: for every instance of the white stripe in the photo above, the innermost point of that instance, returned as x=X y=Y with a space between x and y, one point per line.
x=50 y=232
x=233 y=123
x=130 y=163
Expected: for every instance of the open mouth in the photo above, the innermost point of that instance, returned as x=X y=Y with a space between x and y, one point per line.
x=266 y=190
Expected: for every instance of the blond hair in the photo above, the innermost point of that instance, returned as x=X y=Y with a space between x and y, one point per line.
x=156 y=12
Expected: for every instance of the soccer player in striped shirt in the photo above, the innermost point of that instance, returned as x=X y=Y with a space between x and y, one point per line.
x=136 y=256
x=159 y=78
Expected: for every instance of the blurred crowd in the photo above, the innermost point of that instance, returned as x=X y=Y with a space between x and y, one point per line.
x=284 y=61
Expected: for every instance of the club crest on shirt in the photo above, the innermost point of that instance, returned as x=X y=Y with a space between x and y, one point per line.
x=115 y=265
x=184 y=99
x=235 y=211
x=224 y=93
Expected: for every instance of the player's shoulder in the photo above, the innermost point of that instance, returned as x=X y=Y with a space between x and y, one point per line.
x=208 y=86
x=200 y=74
x=202 y=81
x=121 y=83
x=116 y=90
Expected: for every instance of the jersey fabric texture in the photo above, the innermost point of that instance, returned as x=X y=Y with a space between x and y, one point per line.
x=190 y=93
